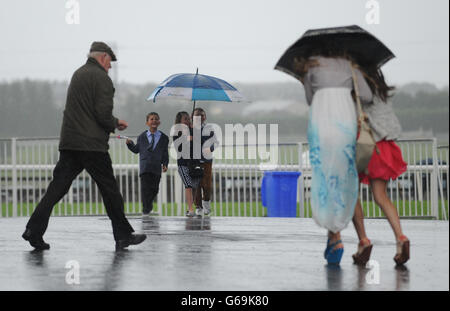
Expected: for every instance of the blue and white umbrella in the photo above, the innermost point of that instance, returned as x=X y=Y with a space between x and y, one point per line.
x=196 y=87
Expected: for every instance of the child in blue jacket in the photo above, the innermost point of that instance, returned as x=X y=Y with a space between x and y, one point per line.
x=153 y=148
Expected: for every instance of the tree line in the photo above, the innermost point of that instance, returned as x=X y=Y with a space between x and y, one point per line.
x=33 y=108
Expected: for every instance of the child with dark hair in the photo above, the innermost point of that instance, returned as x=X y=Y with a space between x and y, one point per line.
x=153 y=148
x=183 y=142
x=202 y=197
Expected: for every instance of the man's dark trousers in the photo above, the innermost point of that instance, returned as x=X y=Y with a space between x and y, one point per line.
x=70 y=164
x=149 y=190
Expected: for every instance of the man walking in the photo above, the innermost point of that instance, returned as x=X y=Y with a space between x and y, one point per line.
x=87 y=124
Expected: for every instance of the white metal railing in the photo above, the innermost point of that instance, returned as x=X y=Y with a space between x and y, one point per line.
x=26 y=167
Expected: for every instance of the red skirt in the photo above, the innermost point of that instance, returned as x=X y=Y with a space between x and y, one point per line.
x=389 y=164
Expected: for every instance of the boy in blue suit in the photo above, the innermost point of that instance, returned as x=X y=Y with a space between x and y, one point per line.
x=153 y=148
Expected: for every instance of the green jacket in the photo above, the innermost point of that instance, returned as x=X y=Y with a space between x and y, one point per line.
x=88 y=118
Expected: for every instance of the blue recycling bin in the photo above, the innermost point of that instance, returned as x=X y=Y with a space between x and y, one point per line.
x=279 y=193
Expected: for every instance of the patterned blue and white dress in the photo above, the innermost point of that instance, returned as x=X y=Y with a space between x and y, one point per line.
x=332 y=131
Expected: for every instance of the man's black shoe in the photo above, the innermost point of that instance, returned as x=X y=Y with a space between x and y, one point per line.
x=36 y=242
x=146 y=212
x=133 y=239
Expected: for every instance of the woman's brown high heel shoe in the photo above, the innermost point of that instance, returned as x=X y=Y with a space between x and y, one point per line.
x=402 y=255
x=362 y=256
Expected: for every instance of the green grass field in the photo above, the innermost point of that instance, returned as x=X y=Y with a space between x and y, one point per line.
x=243 y=209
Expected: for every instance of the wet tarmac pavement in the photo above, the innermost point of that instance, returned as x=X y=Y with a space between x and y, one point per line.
x=218 y=254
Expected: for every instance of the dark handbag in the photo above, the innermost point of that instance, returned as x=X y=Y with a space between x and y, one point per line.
x=195 y=170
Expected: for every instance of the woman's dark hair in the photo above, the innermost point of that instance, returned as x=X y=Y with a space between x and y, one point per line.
x=180 y=115
x=375 y=78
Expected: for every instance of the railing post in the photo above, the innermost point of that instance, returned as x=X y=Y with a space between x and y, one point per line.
x=434 y=182
x=70 y=196
x=301 y=193
x=162 y=195
x=14 y=175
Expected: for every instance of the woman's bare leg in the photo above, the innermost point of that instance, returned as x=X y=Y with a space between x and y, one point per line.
x=382 y=199
x=334 y=237
x=358 y=222
x=364 y=250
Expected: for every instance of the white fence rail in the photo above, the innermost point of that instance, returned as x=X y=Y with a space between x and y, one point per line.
x=26 y=167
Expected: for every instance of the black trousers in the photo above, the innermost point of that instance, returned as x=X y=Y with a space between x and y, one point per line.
x=70 y=164
x=149 y=190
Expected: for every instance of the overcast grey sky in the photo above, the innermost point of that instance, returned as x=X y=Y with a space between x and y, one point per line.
x=237 y=40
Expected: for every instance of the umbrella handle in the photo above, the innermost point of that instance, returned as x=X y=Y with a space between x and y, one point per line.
x=193 y=109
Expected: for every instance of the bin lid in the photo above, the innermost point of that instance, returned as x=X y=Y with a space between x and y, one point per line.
x=267 y=167
x=286 y=173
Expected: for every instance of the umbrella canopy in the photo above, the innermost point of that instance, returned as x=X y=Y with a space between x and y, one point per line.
x=362 y=46
x=196 y=87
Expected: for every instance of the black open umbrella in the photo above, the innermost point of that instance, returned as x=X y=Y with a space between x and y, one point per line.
x=362 y=46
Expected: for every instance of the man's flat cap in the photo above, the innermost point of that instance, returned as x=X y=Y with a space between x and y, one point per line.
x=102 y=47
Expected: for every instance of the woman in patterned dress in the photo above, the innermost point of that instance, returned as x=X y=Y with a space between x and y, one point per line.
x=332 y=131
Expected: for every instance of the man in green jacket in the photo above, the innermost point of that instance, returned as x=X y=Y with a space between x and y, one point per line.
x=87 y=124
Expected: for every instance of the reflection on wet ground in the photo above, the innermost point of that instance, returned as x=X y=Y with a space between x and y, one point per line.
x=219 y=253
